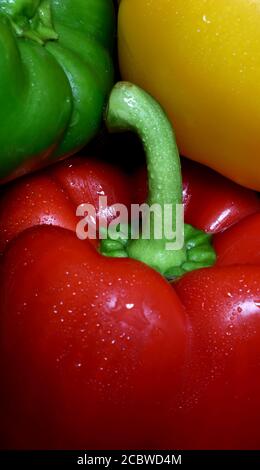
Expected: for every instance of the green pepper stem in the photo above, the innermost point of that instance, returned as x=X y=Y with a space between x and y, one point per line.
x=30 y=19
x=131 y=108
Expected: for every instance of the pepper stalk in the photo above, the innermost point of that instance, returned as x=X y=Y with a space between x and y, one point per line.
x=132 y=109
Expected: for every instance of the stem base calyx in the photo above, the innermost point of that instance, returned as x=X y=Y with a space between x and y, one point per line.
x=198 y=251
x=30 y=19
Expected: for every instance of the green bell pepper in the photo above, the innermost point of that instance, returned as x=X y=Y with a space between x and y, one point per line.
x=56 y=72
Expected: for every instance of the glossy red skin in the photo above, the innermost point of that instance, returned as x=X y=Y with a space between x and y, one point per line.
x=241 y=242
x=214 y=203
x=211 y=202
x=220 y=405
x=91 y=348
x=51 y=197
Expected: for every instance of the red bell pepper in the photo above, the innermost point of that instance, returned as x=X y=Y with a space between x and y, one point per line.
x=95 y=351
x=90 y=331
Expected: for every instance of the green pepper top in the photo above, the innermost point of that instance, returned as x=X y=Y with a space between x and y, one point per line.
x=55 y=74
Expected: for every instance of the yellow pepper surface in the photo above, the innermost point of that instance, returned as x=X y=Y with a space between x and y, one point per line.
x=201 y=60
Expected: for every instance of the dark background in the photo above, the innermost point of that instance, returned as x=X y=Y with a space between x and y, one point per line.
x=125 y=149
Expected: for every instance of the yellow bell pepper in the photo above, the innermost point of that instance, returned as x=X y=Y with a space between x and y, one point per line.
x=201 y=60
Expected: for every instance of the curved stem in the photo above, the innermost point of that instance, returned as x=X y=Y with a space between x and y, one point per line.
x=130 y=108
